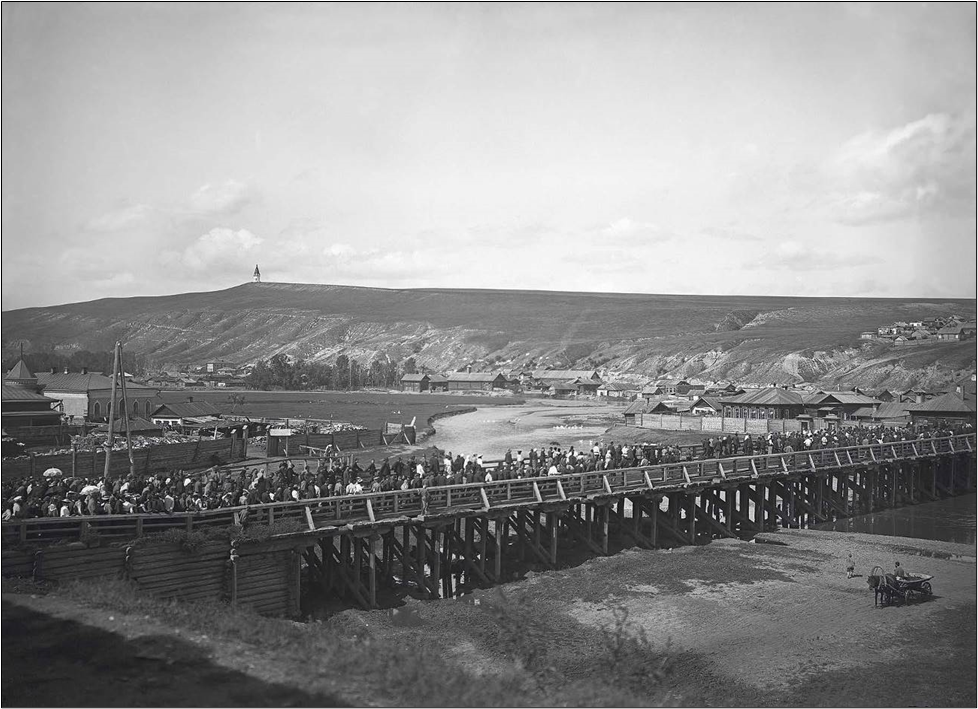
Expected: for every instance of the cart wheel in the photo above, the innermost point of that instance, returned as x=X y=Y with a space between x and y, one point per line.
x=925 y=587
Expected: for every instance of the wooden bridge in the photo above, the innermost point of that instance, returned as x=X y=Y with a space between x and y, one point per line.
x=453 y=538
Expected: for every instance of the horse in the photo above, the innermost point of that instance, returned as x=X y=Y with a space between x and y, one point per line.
x=882 y=584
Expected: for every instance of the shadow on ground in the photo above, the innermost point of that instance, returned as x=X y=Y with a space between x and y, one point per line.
x=52 y=662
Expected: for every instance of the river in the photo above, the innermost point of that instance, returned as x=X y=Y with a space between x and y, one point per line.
x=491 y=431
x=950 y=520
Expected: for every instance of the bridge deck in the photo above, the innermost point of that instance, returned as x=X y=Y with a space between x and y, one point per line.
x=482 y=498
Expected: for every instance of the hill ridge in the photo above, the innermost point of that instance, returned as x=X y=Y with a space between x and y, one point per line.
x=762 y=339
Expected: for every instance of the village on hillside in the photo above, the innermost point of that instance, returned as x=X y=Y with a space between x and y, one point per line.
x=37 y=402
x=952 y=328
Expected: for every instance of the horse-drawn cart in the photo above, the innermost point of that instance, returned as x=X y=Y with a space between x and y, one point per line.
x=889 y=588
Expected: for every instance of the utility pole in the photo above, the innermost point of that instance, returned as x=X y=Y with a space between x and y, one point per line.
x=125 y=409
x=109 y=440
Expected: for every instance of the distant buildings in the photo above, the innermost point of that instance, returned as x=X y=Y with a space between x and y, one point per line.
x=476 y=381
x=86 y=395
x=952 y=328
x=186 y=414
x=415 y=382
x=24 y=404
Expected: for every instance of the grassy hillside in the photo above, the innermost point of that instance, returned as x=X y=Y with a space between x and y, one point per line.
x=749 y=338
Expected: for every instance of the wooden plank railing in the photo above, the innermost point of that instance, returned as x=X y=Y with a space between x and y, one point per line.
x=341 y=510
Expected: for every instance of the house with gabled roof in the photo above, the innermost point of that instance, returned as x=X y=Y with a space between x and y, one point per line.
x=187 y=413
x=416 y=381
x=767 y=403
x=946 y=406
x=476 y=381
x=706 y=406
x=670 y=386
x=617 y=390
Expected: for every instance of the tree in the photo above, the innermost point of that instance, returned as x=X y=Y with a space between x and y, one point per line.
x=341 y=372
x=236 y=400
x=281 y=371
x=260 y=377
x=409 y=367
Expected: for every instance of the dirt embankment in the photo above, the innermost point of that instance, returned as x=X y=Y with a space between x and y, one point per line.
x=739 y=624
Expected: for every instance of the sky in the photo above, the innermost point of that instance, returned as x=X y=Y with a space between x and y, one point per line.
x=759 y=149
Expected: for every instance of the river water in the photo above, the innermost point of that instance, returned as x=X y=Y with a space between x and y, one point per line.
x=491 y=431
x=950 y=520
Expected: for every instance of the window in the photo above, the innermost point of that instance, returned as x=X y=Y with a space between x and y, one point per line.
x=97 y=411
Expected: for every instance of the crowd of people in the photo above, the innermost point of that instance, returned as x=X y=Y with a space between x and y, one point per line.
x=799 y=441
x=179 y=492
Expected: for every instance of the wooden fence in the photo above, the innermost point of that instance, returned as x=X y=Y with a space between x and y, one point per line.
x=728 y=424
x=172 y=456
x=260 y=576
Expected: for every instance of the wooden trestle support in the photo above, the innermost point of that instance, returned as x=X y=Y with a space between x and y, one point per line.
x=455 y=550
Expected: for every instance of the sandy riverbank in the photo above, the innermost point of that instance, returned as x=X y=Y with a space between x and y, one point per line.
x=746 y=624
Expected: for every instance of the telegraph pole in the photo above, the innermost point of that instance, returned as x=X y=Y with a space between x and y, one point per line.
x=109 y=440
x=125 y=409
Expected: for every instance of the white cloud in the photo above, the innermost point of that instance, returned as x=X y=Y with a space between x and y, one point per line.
x=800 y=256
x=123 y=218
x=226 y=198
x=926 y=167
x=221 y=250
x=627 y=228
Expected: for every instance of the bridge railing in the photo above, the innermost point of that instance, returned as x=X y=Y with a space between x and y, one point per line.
x=399 y=503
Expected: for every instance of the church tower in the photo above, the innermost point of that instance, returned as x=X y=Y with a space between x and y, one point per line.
x=257 y=275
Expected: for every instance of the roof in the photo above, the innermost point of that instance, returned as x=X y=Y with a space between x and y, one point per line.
x=209 y=421
x=136 y=425
x=415 y=377
x=438 y=378
x=474 y=376
x=947 y=402
x=665 y=407
x=950 y=330
x=12 y=392
x=564 y=374
x=615 y=386
x=772 y=396
x=20 y=371
x=78 y=382
x=636 y=407
x=584 y=381
x=711 y=401
x=891 y=410
x=847 y=397
x=863 y=412
x=43 y=413
x=187 y=409
x=670 y=382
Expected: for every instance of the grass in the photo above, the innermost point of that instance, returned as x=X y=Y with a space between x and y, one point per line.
x=451 y=327
x=370 y=409
x=620 y=670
